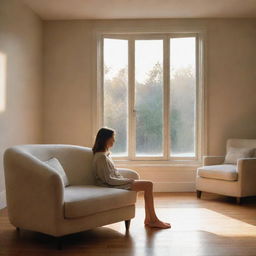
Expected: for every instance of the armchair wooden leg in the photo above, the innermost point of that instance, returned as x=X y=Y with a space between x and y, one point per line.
x=198 y=193
x=127 y=224
x=59 y=243
x=238 y=200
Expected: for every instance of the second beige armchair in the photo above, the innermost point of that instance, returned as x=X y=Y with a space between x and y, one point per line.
x=236 y=179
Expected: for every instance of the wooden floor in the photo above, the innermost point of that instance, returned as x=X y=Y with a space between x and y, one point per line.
x=212 y=225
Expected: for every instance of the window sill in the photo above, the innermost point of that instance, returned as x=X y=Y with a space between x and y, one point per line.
x=163 y=163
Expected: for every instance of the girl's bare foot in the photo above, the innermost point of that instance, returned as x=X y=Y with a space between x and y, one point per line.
x=157 y=224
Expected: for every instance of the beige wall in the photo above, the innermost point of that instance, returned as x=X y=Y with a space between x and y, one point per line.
x=65 y=89
x=20 y=78
x=231 y=82
x=69 y=77
x=67 y=83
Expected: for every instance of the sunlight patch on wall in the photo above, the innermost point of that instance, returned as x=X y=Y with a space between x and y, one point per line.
x=2 y=82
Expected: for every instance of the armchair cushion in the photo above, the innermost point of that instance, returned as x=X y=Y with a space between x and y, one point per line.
x=235 y=153
x=83 y=200
x=222 y=172
x=55 y=164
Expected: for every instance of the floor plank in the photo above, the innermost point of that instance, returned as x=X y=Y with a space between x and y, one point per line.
x=213 y=225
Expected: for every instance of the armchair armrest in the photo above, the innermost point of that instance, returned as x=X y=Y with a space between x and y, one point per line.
x=247 y=175
x=129 y=173
x=213 y=160
x=34 y=192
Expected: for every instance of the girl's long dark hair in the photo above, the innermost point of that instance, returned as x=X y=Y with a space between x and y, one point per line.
x=102 y=136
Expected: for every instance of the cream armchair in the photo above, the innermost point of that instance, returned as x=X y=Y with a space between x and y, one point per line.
x=237 y=180
x=37 y=199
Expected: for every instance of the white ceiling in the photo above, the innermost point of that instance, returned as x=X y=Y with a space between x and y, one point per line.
x=131 y=9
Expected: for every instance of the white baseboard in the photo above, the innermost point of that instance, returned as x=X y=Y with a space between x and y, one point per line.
x=2 y=199
x=174 y=187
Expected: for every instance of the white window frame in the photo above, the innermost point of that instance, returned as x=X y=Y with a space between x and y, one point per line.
x=200 y=127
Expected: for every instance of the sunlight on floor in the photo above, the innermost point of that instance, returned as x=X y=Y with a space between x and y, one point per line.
x=208 y=220
x=197 y=219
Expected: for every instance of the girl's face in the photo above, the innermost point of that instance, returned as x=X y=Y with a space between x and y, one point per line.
x=111 y=141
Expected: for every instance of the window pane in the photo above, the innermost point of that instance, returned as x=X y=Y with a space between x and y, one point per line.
x=116 y=92
x=182 y=96
x=149 y=97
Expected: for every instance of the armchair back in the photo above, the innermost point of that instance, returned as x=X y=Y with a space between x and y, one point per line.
x=241 y=143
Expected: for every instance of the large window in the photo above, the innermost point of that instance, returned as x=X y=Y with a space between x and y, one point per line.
x=151 y=95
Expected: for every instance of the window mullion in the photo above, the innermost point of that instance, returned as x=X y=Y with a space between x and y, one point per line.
x=100 y=120
x=131 y=100
x=198 y=117
x=165 y=99
x=167 y=96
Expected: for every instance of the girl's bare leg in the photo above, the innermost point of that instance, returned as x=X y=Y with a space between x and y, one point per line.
x=151 y=219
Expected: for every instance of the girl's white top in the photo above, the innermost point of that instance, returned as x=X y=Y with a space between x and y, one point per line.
x=106 y=174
